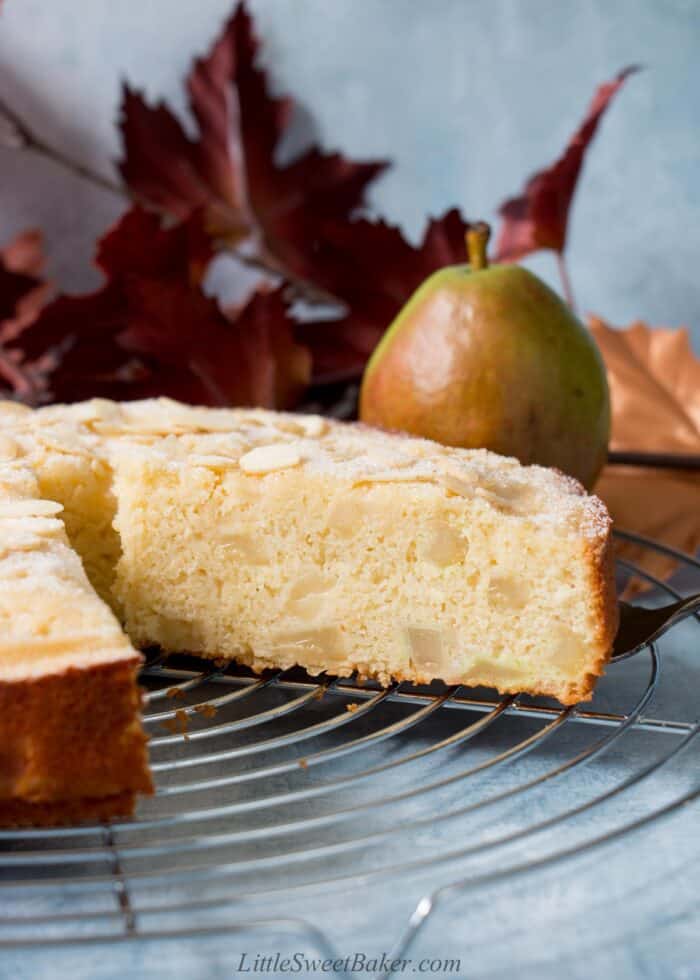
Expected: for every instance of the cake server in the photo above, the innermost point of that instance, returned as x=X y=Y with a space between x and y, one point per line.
x=640 y=625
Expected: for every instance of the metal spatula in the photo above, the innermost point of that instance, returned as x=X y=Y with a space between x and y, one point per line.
x=639 y=626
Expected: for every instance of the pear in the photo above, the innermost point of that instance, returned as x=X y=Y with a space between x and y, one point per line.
x=488 y=356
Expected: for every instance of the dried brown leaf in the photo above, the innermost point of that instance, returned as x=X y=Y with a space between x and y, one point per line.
x=654 y=381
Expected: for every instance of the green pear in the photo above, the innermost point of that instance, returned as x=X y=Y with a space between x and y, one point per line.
x=488 y=356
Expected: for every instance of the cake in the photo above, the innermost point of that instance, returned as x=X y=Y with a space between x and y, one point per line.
x=71 y=743
x=276 y=539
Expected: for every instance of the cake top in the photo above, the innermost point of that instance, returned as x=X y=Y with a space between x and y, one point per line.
x=259 y=442
x=69 y=626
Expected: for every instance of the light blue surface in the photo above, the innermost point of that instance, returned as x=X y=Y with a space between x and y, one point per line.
x=466 y=97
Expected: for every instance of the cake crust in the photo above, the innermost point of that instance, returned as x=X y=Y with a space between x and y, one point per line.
x=16 y=812
x=71 y=742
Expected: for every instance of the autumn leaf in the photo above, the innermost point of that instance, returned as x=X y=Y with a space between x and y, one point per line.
x=274 y=369
x=231 y=169
x=151 y=330
x=654 y=381
x=141 y=245
x=374 y=270
x=539 y=216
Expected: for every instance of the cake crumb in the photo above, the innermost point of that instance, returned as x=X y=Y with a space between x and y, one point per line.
x=174 y=692
x=303 y=764
x=351 y=707
x=208 y=710
x=178 y=724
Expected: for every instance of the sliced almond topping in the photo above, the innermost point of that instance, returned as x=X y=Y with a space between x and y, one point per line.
x=457 y=486
x=393 y=476
x=95 y=410
x=29 y=508
x=266 y=459
x=213 y=462
x=9 y=449
x=314 y=425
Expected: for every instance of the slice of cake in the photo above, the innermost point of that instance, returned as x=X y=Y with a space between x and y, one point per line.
x=71 y=743
x=289 y=540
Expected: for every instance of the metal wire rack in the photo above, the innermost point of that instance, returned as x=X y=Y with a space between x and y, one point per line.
x=272 y=788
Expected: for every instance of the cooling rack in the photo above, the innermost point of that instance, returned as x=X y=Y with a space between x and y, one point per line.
x=277 y=791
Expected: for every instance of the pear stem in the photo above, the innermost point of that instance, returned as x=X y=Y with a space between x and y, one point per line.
x=477 y=239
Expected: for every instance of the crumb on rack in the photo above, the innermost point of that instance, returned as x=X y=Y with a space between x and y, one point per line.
x=178 y=724
x=208 y=710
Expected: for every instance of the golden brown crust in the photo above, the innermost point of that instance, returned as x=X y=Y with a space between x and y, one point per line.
x=22 y=813
x=72 y=743
x=605 y=610
x=566 y=694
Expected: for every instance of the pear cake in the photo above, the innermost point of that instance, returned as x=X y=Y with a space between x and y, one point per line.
x=276 y=539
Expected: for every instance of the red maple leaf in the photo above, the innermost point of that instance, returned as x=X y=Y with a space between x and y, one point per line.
x=231 y=169
x=538 y=218
x=151 y=330
x=374 y=270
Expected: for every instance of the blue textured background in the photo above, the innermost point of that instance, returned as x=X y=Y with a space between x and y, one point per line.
x=467 y=97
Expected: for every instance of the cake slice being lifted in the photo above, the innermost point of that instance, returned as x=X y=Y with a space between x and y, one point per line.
x=71 y=743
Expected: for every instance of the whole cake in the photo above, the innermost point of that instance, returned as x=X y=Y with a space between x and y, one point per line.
x=278 y=539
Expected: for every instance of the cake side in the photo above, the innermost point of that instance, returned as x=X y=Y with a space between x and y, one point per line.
x=356 y=550
x=72 y=745
x=600 y=559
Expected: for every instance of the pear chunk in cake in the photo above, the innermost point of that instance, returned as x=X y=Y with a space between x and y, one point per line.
x=279 y=540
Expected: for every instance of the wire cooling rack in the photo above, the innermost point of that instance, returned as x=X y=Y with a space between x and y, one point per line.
x=273 y=788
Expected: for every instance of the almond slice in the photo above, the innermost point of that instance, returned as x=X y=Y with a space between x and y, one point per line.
x=29 y=508
x=9 y=449
x=212 y=461
x=457 y=486
x=313 y=425
x=266 y=459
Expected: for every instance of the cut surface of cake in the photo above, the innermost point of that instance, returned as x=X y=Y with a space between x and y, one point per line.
x=277 y=539
x=71 y=743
